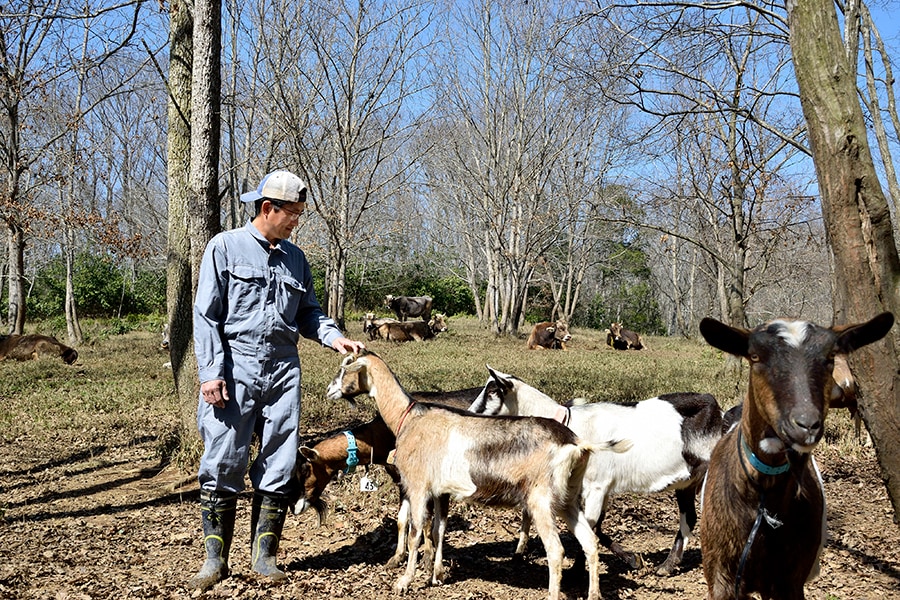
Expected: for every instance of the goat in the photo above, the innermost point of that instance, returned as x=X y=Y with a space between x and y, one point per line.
x=672 y=438
x=849 y=389
x=441 y=453
x=763 y=510
x=318 y=465
x=409 y=306
x=32 y=346
x=549 y=335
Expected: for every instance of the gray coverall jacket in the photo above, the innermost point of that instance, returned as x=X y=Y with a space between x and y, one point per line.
x=252 y=305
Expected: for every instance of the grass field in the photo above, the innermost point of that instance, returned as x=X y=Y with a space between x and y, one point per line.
x=120 y=382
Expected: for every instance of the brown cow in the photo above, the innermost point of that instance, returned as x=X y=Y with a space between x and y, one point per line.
x=30 y=347
x=550 y=336
x=412 y=330
x=623 y=339
x=371 y=323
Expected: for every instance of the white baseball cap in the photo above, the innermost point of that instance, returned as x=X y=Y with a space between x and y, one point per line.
x=278 y=185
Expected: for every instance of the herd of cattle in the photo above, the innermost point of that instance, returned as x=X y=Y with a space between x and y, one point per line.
x=762 y=498
x=546 y=335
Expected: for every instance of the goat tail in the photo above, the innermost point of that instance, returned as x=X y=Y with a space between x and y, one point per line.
x=617 y=446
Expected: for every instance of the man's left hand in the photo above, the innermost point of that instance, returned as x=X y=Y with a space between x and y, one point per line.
x=344 y=346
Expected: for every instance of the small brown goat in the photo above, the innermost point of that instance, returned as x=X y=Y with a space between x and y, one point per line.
x=848 y=398
x=763 y=519
x=623 y=339
x=526 y=462
x=31 y=346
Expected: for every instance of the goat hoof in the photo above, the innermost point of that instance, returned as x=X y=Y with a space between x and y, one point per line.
x=635 y=562
x=666 y=569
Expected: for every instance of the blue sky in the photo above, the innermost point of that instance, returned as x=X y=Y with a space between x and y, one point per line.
x=887 y=19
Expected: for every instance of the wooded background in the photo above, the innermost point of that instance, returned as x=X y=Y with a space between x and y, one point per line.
x=639 y=164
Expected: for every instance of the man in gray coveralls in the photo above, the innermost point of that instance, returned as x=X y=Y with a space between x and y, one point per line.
x=254 y=299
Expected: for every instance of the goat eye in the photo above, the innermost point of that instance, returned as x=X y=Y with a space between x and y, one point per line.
x=754 y=357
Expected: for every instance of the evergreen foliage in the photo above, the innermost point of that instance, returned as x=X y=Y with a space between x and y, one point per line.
x=102 y=288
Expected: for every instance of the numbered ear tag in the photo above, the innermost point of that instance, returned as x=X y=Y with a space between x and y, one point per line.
x=366 y=484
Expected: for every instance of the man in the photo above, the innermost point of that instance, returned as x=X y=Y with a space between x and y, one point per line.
x=254 y=299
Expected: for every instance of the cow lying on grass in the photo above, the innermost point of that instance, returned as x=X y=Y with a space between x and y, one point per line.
x=549 y=336
x=410 y=331
x=30 y=347
x=623 y=339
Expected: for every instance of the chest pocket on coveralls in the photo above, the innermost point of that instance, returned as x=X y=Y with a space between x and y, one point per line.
x=289 y=291
x=248 y=288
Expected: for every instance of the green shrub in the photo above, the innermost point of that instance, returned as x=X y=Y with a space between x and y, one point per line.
x=100 y=286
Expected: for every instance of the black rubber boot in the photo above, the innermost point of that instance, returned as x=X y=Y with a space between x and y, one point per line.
x=217 y=511
x=266 y=523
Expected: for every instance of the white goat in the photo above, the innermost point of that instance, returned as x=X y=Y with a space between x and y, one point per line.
x=532 y=463
x=672 y=438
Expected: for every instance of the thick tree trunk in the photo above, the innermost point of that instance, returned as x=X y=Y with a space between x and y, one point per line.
x=857 y=218
x=179 y=279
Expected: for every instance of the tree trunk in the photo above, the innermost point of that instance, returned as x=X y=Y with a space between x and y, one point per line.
x=179 y=279
x=16 y=253
x=857 y=218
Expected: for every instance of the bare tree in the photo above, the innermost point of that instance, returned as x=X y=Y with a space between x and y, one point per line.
x=179 y=267
x=34 y=59
x=857 y=216
x=715 y=93
x=513 y=131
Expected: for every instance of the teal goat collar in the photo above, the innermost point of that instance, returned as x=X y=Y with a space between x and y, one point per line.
x=352 y=455
x=759 y=465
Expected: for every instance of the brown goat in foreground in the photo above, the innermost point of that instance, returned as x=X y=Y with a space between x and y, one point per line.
x=762 y=527
x=525 y=462
x=31 y=346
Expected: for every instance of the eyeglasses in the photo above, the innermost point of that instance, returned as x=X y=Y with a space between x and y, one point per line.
x=293 y=213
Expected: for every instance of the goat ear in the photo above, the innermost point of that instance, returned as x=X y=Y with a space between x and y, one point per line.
x=728 y=339
x=310 y=454
x=851 y=337
x=503 y=380
x=355 y=365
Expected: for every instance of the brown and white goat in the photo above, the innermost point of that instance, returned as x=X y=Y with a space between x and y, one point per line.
x=525 y=462
x=762 y=527
x=318 y=465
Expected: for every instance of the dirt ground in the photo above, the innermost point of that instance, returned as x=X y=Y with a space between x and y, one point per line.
x=84 y=520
